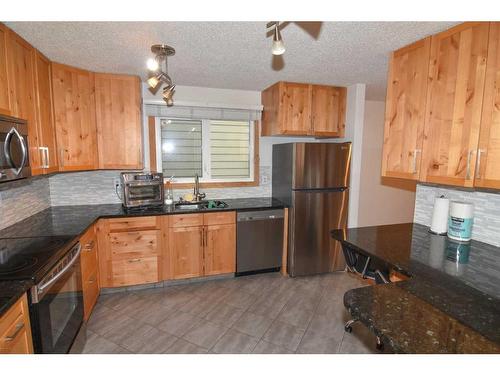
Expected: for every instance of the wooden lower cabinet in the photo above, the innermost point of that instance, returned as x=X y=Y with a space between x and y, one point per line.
x=134 y=271
x=130 y=251
x=90 y=271
x=219 y=252
x=15 y=329
x=186 y=252
x=142 y=250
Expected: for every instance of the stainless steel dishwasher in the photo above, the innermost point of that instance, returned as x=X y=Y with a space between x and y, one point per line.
x=259 y=241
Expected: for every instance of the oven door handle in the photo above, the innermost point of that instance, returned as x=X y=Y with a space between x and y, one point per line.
x=40 y=288
x=6 y=150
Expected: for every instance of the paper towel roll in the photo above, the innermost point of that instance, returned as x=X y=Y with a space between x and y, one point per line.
x=439 y=223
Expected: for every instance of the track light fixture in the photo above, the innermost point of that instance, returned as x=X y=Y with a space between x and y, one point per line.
x=161 y=51
x=278 y=47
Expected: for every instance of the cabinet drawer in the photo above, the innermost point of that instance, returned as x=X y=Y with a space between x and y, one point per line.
x=90 y=294
x=137 y=244
x=131 y=223
x=219 y=218
x=186 y=220
x=15 y=330
x=134 y=271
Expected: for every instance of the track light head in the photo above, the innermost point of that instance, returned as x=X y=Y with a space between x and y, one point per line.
x=278 y=47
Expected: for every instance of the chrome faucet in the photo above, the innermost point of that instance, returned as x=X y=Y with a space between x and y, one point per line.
x=197 y=195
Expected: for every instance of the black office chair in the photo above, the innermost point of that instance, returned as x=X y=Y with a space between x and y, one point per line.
x=362 y=265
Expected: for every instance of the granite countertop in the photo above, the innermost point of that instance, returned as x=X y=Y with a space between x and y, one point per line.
x=11 y=291
x=450 y=304
x=73 y=221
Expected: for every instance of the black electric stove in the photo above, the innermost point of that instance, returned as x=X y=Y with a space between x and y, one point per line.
x=31 y=257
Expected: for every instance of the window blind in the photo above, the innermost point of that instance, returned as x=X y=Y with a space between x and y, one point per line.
x=196 y=113
x=229 y=149
x=181 y=148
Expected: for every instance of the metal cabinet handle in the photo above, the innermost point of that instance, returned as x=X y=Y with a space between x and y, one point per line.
x=45 y=157
x=202 y=237
x=89 y=246
x=19 y=327
x=415 y=153
x=134 y=260
x=24 y=149
x=469 y=158
x=478 y=164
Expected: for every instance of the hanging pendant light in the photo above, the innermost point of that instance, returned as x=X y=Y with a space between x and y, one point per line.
x=161 y=51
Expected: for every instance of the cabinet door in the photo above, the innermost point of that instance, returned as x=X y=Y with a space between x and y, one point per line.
x=328 y=111
x=488 y=157
x=74 y=115
x=454 y=102
x=405 y=111
x=186 y=252
x=220 y=249
x=22 y=90
x=5 y=107
x=119 y=127
x=44 y=114
x=295 y=108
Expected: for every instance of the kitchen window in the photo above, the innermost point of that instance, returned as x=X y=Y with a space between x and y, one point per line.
x=219 y=151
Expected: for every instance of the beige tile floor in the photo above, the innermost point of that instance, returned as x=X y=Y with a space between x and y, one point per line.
x=254 y=314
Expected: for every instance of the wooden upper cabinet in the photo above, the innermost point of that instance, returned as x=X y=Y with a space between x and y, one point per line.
x=44 y=115
x=303 y=109
x=405 y=110
x=488 y=154
x=328 y=105
x=74 y=114
x=119 y=127
x=21 y=73
x=5 y=107
x=457 y=73
x=295 y=108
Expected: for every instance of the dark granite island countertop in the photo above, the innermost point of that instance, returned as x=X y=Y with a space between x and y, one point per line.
x=70 y=222
x=450 y=304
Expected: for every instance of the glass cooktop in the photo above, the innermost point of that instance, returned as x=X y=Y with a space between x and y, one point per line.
x=31 y=258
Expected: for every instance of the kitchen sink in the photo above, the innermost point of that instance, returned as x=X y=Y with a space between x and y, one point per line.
x=191 y=205
x=184 y=205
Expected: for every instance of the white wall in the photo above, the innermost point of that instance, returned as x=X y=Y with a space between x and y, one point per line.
x=380 y=201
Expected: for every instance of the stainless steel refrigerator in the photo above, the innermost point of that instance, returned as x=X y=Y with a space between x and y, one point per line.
x=313 y=180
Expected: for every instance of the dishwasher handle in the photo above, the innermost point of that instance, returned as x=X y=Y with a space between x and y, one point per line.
x=260 y=215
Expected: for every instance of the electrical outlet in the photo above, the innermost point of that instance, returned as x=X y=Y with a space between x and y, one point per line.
x=117 y=183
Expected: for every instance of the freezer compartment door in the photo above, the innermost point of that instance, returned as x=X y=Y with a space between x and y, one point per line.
x=311 y=248
x=321 y=165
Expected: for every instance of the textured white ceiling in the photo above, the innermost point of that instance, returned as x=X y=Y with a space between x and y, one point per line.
x=234 y=55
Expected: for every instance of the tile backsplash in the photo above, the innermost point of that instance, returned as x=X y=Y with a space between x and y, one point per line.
x=97 y=187
x=486 y=227
x=20 y=199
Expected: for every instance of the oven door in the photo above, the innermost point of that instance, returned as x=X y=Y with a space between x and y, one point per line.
x=57 y=306
x=14 y=157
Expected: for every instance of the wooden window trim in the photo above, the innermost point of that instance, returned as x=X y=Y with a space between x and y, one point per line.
x=256 y=174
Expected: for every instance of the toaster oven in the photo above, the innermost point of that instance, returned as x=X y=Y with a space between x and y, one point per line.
x=142 y=189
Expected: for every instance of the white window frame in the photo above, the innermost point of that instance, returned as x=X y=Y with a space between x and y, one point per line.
x=205 y=149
